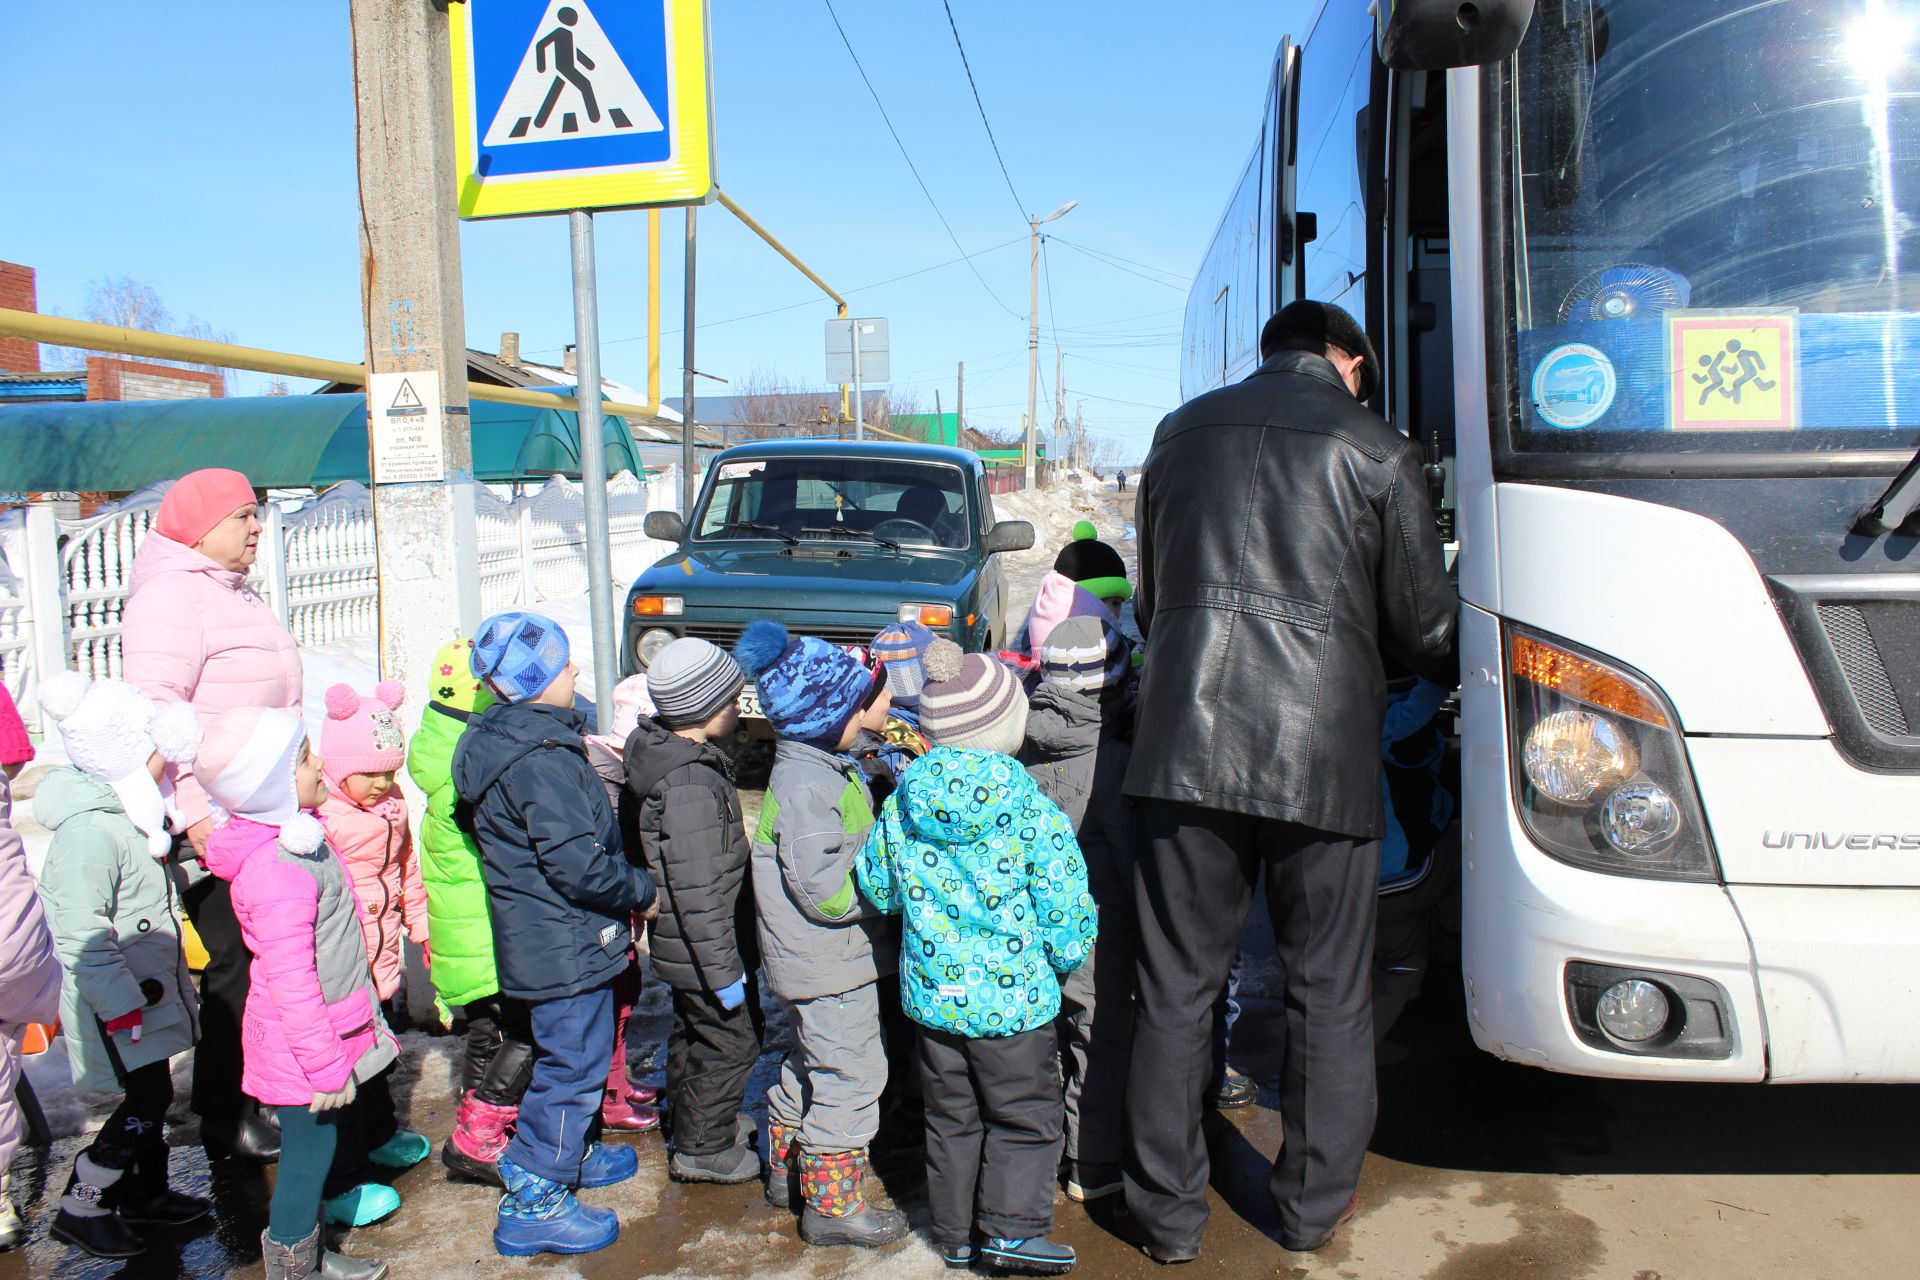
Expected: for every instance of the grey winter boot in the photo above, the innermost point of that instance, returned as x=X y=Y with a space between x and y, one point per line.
x=338 y=1266
x=88 y=1217
x=291 y=1261
x=837 y=1212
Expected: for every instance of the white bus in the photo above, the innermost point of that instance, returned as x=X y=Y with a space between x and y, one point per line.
x=1640 y=284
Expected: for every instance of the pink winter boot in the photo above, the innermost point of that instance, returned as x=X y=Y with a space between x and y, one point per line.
x=619 y=1112
x=480 y=1133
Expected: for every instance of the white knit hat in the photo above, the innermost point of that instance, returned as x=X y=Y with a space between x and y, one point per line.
x=111 y=730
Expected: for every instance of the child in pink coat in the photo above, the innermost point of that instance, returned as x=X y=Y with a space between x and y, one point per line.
x=312 y=1032
x=366 y=820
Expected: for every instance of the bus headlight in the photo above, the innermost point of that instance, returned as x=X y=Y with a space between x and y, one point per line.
x=1600 y=774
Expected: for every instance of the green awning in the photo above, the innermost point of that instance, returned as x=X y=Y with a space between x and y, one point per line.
x=279 y=442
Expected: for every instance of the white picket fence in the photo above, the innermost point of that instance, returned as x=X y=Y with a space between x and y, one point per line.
x=63 y=583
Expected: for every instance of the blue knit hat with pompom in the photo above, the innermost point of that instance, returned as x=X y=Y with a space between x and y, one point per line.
x=809 y=689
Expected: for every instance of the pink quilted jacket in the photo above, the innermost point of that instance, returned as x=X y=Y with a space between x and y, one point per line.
x=29 y=969
x=195 y=632
x=312 y=1019
x=376 y=847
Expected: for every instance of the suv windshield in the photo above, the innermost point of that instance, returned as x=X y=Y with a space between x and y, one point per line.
x=1715 y=207
x=913 y=504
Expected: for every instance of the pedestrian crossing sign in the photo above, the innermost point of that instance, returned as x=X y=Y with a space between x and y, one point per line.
x=580 y=104
x=1733 y=370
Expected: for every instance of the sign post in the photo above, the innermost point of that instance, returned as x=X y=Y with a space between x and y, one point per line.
x=567 y=106
x=857 y=350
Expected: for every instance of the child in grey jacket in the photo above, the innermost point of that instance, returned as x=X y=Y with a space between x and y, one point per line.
x=822 y=945
x=129 y=1005
x=1079 y=739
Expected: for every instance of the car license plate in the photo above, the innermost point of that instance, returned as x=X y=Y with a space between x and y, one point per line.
x=749 y=703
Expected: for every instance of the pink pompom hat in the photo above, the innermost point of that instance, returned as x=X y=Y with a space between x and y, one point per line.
x=361 y=734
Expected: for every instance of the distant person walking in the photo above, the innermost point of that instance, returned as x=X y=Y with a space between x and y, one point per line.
x=194 y=631
x=1120 y=481
x=1285 y=538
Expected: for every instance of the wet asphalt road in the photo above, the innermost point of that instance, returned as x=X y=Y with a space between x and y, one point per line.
x=1479 y=1170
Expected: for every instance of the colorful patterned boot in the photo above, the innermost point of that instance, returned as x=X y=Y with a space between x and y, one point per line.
x=481 y=1131
x=837 y=1213
x=783 y=1168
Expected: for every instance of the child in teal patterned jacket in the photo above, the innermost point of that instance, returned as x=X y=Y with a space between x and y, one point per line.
x=990 y=879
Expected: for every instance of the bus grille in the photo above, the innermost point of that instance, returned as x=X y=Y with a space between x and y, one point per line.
x=1865 y=669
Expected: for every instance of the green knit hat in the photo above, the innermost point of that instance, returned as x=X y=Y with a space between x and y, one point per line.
x=1093 y=564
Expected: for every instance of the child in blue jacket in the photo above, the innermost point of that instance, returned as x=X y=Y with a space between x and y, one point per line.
x=988 y=874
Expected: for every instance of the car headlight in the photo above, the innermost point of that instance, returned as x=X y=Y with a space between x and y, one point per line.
x=650 y=643
x=1600 y=773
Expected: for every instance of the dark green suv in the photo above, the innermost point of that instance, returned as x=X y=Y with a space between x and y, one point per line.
x=831 y=538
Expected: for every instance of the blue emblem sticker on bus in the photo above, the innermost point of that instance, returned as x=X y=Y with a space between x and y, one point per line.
x=1573 y=386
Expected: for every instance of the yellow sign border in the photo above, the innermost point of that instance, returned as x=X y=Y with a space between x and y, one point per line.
x=686 y=179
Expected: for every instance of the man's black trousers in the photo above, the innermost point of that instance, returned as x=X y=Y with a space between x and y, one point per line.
x=711 y=1052
x=1194 y=880
x=994 y=1119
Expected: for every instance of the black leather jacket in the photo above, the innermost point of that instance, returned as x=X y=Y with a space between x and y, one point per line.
x=1285 y=537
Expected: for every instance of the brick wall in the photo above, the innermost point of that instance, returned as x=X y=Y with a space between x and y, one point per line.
x=18 y=355
x=111 y=378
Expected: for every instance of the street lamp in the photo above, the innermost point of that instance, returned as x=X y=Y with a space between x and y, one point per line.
x=1033 y=339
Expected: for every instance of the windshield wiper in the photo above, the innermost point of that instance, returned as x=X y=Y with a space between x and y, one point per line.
x=842 y=531
x=1895 y=509
x=754 y=526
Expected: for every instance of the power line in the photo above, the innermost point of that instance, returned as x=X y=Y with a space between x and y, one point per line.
x=968 y=68
x=1104 y=253
x=1104 y=261
x=914 y=169
x=810 y=302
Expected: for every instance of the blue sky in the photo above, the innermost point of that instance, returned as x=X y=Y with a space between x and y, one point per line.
x=208 y=149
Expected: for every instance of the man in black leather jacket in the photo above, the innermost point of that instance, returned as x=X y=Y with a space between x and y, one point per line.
x=1285 y=538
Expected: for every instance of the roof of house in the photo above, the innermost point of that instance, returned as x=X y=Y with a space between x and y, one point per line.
x=279 y=442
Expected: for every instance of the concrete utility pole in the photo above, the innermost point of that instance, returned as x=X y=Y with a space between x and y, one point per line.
x=1033 y=340
x=429 y=580
x=1059 y=393
x=425 y=543
x=960 y=396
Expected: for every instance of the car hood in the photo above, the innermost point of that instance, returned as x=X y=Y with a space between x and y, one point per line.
x=742 y=574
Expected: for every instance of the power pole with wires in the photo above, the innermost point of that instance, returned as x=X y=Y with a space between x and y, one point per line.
x=960 y=397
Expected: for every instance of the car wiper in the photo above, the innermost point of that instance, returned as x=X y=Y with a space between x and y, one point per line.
x=1895 y=509
x=754 y=526
x=842 y=531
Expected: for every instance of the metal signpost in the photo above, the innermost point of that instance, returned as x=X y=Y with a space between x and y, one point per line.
x=856 y=350
x=566 y=106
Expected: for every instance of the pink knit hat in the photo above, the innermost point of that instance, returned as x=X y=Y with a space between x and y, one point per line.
x=361 y=734
x=200 y=500
x=15 y=746
x=247 y=760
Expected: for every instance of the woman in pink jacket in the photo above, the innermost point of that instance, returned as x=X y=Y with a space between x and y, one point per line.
x=194 y=631
x=313 y=1029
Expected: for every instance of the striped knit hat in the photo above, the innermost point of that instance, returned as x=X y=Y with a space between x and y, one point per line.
x=901 y=647
x=971 y=701
x=690 y=681
x=1087 y=655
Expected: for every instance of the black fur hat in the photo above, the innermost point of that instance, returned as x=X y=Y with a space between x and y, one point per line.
x=1310 y=326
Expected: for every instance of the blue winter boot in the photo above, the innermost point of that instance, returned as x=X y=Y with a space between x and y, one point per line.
x=538 y=1215
x=605 y=1165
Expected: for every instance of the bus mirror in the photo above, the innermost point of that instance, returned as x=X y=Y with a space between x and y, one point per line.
x=1303 y=231
x=1432 y=35
x=664 y=526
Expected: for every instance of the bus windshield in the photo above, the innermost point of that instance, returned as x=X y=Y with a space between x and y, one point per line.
x=1716 y=239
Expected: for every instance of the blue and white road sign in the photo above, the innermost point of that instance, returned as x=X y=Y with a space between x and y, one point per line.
x=580 y=104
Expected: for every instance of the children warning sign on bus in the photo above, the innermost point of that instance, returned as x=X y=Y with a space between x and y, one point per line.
x=1733 y=371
